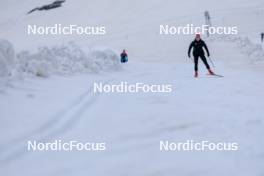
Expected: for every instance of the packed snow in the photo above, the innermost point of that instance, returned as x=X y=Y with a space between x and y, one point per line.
x=7 y=58
x=67 y=59
x=253 y=51
x=46 y=89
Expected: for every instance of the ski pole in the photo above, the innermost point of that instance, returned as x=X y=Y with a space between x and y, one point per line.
x=211 y=61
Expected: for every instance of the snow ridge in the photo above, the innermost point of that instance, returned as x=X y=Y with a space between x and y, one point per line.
x=254 y=51
x=7 y=58
x=66 y=59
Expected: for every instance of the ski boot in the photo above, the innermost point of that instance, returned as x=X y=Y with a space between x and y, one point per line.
x=211 y=72
x=196 y=74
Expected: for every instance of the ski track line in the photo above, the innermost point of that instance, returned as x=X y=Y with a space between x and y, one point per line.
x=158 y=131
x=60 y=123
x=44 y=127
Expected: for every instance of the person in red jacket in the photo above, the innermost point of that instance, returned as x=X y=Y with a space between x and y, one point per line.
x=198 y=44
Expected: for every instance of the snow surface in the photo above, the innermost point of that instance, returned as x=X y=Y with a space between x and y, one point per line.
x=7 y=58
x=67 y=59
x=62 y=106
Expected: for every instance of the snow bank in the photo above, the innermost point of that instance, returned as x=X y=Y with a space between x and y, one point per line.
x=67 y=59
x=254 y=51
x=7 y=58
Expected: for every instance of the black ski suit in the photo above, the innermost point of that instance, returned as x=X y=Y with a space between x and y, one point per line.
x=199 y=52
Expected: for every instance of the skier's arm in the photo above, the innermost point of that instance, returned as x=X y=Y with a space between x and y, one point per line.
x=205 y=46
x=189 y=50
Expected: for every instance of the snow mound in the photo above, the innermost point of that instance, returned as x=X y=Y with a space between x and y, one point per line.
x=254 y=51
x=7 y=58
x=66 y=59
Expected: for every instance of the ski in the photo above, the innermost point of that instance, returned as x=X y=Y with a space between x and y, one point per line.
x=220 y=76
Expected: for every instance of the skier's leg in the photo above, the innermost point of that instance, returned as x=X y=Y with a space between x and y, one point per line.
x=205 y=62
x=207 y=65
x=196 y=65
